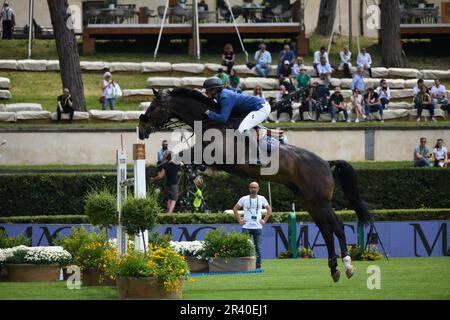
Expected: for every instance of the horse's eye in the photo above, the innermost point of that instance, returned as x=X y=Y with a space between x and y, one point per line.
x=144 y=118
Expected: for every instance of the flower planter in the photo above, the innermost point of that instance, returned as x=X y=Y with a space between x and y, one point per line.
x=233 y=264
x=197 y=265
x=33 y=272
x=145 y=288
x=96 y=277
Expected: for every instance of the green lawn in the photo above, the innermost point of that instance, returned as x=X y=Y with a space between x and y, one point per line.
x=401 y=278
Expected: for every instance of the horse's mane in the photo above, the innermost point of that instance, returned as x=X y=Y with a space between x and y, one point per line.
x=195 y=94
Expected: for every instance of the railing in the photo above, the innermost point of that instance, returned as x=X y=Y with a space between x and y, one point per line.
x=427 y=15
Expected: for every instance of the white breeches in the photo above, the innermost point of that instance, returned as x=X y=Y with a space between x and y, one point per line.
x=254 y=118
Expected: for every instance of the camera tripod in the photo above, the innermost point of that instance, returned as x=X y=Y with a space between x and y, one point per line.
x=370 y=237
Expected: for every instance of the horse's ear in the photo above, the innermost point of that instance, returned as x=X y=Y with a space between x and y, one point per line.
x=156 y=93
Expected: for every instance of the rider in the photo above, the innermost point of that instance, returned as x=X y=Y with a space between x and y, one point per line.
x=256 y=109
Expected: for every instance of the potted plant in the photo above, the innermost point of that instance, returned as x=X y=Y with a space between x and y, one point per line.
x=305 y=253
x=10 y=242
x=229 y=252
x=101 y=209
x=26 y=264
x=193 y=254
x=156 y=274
x=369 y=254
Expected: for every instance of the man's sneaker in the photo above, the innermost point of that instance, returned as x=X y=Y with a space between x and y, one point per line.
x=348 y=120
x=277 y=121
x=434 y=119
x=418 y=119
x=293 y=121
x=356 y=120
x=381 y=120
x=333 y=121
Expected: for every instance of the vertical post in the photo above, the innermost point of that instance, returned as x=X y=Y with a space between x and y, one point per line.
x=30 y=29
x=270 y=193
x=293 y=232
x=121 y=159
x=139 y=186
x=195 y=29
x=350 y=21
x=360 y=232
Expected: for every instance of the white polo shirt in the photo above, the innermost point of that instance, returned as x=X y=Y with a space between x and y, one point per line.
x=252 y=211
x=438 y=90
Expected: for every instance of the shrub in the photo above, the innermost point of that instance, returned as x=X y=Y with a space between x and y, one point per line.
x=101 y=208
x=218 y=243
x=301 y=253
x=369 y=254
x=35 y=255
x=9 y=242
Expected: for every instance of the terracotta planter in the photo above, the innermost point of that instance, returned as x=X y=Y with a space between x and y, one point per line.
x=96 y=277
x=233 y=264
x=33 y=272
x=145 y=288
x=197 y=265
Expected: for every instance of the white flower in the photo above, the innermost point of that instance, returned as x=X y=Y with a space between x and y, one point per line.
x=35 y=255
x=188 y=248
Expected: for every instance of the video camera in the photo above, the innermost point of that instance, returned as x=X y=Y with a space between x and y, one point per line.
x=290 y=97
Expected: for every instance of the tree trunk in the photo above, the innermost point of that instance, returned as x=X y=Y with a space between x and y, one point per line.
x=327 y=15
x=66 y=45
x=391 y=46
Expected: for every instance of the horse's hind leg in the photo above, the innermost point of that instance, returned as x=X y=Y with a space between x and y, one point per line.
x=340 y=234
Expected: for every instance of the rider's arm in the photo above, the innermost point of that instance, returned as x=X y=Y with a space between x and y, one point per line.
x=225 y=111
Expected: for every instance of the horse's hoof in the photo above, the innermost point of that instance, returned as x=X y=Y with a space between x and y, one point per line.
x=350 y=271
x=336 y=276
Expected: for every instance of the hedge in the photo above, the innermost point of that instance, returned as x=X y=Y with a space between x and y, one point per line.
x=53 y=194
x=222 y=218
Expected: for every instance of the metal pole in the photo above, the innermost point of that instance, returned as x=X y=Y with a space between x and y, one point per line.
x=270 y=193
x=30 y=29
x=195 y=28
x=160 y=31
x=237 y=31
x=350 y=21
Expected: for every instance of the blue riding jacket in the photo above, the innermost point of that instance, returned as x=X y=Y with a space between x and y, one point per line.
x=230 y=100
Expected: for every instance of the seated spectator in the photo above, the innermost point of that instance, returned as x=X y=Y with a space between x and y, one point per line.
x=438 y=93
x=263 y=61
x=357 y=102
x=202 y=6
x=235 y=81
x=384 y=93
x=416 y=89
x=318 y=55
x=440 y=154
x=65 y=105
x=423 y=101
x=258 y=91
x=346 y=63
x=224 y=77
x=324 y=71
x=373 y=103
x=316 y=100
x=228 y=56
x=336 y=104
x=422 y=154
x=364 y=61
x=285 y=55
x=358 y=81
x=285 y=107
x=298 y=64
x=303 y=79
x=285 y=76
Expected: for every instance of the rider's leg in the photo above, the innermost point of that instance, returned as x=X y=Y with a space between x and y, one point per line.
x=254 y=118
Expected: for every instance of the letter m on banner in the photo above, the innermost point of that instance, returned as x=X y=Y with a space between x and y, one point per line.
x=420 y=235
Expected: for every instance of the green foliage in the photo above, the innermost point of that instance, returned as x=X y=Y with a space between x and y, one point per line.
x=369 y=254
x=218 y=243
x=101 y=208
x=301 y=253
x=9 y=242
x=158 y=240
x=139 y=214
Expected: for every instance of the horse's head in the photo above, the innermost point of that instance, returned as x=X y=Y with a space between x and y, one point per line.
x=157 y=115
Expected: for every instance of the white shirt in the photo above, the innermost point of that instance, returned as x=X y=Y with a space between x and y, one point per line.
x=7 y=14
x=438 y=90
x=317 y=57
x=346 y=57
x=440 y=153
x=252 y=211
x=109 y=92
x=416 y=90
x=324 y=69
x=296 y=69
x=364 y=59
x=358 y=99
x=384 y=94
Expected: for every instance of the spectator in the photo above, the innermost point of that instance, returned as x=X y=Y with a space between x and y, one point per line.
x=8 y=21
x=364 y=61
x=317 y=99
x=336 y=104
x=164 y=148
x=384 y=93
x=324 y=71
x=258 y=91
x=286 y=106
x=263 y=61
x=423 y=101
x=318 y=55
x=346 y=64
x=65 y=105
x=438 y=94
x=169 y=169
x=303 y=79
x=235 y=81
x=357 y=101
x=358 y=81
x=373 y=103
x=223 y=77
x=285 y=77
x=228 y=57
x=422 y=154
x=253 y=221
x=440 y=154
x=297 y=66
x=110 y=90
x=416 y=89
x=202 y=6
x=285 y=55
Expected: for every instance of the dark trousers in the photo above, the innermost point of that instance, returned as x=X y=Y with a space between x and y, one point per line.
x=7 y=29
x=347 y=72
x=420 y=107
x=287 y=110
x=256 y=234
x=68 y=110
x=229 y=65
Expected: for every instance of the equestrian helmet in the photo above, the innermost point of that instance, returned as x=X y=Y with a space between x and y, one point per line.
x=213 y=83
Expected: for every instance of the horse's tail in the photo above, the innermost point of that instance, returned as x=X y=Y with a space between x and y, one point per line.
x=348 y=180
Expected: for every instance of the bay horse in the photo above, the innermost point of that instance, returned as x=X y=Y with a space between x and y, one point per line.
x=307 y=175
